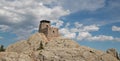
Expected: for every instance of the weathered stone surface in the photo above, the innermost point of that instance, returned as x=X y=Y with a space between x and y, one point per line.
x=35 y=40
x=28 y=45
x=113 y=52
x=57 y=49
x=60 y=54
x=74 y=54
x=61 y=43
x=18 y=47
x=33 y=43
x=12 y=56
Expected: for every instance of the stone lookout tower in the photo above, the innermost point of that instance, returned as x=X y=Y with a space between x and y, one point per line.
x=45 y=27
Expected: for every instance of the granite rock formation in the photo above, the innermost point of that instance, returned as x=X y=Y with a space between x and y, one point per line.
x=113 y=52
x=57 y=49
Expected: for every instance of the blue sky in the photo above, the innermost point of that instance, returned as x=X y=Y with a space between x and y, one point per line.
x=93 y=23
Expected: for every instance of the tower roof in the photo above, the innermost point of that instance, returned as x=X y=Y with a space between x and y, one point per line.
x=44 y=21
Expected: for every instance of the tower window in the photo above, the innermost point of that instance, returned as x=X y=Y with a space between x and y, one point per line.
x=53 y=31
x=47 y=26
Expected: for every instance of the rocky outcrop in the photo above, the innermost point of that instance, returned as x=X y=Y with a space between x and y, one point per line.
x=13 y=56
x=75 y=54
x=56 y=49
x=19 y=47
x=60 y=54
x=113 y=52
x=33 y=43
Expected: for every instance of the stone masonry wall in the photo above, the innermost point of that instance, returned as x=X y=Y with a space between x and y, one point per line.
x=52 y=32
x=49 y=31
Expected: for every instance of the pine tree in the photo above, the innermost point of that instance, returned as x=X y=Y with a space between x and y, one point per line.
x=2 y=48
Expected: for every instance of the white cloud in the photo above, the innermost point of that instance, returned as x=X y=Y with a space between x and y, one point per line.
x=82 y=28
x=58 y=24
x=83 y=35
x=101 y=38
x=78 y=25
x=115 y=28
x=64 y=30
x=88 y=37
x=67 y=25
x=67 y=33
x=79 y=5
x=4 y=28
x=91 y=28
x=79 y=28
x=22 y=17
x=70 y=35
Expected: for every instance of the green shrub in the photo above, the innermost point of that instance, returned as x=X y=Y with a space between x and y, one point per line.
x=41 y=46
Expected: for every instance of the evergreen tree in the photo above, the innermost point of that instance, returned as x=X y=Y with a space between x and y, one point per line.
x=2 y=48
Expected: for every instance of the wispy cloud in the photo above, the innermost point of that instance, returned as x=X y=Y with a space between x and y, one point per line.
x=80 y=29
x=83 y=32
x=4 y=28
x=80 y=5
x=115 y=28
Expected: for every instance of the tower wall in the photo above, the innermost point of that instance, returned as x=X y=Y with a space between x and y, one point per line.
x=46 y=28
x=52 y=32
x=43 y=25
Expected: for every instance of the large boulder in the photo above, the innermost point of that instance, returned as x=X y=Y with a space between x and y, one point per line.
x=113 y=52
